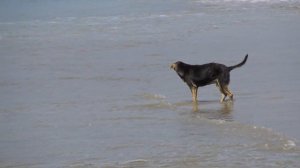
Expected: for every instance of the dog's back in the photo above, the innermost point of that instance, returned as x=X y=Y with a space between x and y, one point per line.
x=205 y=74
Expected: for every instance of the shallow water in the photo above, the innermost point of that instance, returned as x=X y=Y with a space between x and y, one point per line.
x=84 y=87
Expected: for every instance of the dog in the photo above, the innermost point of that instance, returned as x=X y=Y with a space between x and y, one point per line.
x=201 y=75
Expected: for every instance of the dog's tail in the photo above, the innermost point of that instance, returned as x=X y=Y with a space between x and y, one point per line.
x=239 y=65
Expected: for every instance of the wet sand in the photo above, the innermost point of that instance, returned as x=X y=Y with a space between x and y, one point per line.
x=95 y=89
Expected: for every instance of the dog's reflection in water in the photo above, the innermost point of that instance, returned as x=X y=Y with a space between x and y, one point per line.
x=222 y=112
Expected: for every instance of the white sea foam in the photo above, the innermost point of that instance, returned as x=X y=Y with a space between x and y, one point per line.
x=266 y=138
x=289 y=145
x=153 y=96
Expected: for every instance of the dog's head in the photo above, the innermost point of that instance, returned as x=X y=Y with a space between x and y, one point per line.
x=178 y=67
x=175 y=65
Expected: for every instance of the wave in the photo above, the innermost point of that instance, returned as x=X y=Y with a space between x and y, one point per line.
x=248 y=1
x=96 y=20
x=220 y=116
x=264 y=138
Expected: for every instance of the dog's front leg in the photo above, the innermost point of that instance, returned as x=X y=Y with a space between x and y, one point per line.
x=194 y=93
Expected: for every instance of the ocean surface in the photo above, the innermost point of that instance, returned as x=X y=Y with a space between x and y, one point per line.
x=87 y=83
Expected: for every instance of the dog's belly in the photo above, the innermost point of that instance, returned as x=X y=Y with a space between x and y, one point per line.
x=205 y=82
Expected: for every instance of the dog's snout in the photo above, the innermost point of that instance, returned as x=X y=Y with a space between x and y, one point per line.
x=172 y=66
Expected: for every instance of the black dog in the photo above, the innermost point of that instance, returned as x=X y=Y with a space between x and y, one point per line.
x=200 y=75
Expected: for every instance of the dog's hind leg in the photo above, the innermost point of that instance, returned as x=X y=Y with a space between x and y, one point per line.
x=228 y=91
x=221 y=89
x=223 y=97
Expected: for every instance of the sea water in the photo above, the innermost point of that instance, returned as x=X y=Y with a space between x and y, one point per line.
x=88 y=83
